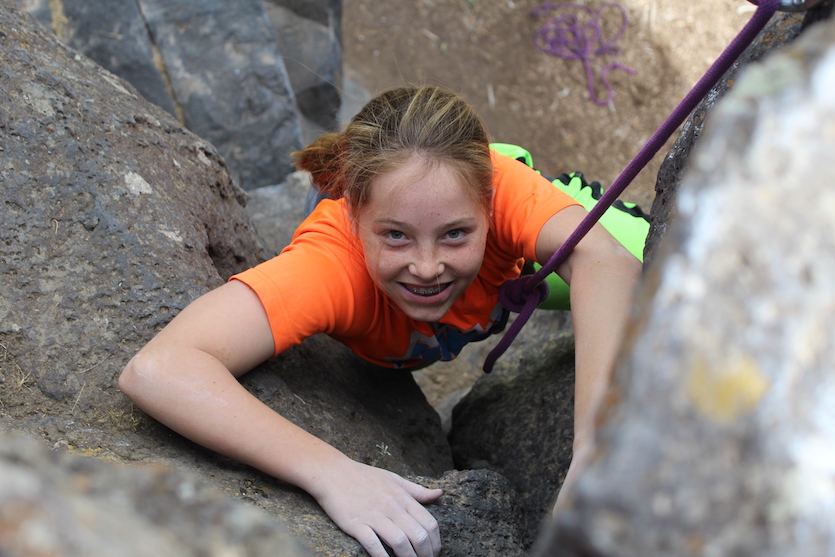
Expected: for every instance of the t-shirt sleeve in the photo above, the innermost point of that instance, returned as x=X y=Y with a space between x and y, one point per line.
x=311 y=287
x=522 y=204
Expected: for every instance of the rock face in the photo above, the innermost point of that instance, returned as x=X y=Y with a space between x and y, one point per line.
x=114 y=217
x=105 y=198
x=720 y=433
x=214 y=65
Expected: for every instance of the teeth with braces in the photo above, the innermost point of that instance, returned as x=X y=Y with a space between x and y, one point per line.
x=424 y=291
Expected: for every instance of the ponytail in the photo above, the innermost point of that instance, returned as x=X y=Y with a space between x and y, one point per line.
x=323 y=159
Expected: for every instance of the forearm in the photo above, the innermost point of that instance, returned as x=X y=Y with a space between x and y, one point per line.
x=186 y=378
x=601 y=298
x=193 y=394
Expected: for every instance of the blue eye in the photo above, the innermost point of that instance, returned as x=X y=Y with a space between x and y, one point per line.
x=395 y=235
x=455 y=234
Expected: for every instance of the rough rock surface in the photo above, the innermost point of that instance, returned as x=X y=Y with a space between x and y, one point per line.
x=734 y=347
x=56 y=503
x=782 y=29
x=215 y=65
x=473 y=500
x=114 y=217
x=519 y=420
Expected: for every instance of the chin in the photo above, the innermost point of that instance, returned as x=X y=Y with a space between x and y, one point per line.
x=424 y=314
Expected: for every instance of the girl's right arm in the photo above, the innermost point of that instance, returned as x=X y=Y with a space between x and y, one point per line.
x=186 y=377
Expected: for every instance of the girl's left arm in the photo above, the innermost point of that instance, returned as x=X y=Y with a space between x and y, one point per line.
x=603 y=276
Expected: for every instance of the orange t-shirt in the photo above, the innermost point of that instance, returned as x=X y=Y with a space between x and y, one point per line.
x=320 y=284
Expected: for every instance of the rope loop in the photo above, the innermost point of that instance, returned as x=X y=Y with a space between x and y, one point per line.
x=516 y=294
x=520 y=295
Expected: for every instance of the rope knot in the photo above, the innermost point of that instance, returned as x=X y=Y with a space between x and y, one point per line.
x=520 y=295
x=516 y=294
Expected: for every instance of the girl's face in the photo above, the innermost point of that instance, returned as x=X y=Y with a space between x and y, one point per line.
x=423 y=238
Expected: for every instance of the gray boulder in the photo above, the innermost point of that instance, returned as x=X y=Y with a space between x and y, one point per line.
x=56 y=503
x=106 y=197
x=214 y=65
x=116 y=36
x=227 y=74
x=276 y=211
x=781 y=30
x=309 y=36
x=721 y=442
x=474 y=500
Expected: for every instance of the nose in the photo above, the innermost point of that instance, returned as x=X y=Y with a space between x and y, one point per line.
x=426 y=266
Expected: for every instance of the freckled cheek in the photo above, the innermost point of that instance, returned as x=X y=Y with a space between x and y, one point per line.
x=466 y=262
x=388 y=267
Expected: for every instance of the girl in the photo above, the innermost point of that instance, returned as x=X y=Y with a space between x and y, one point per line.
x=402 y=264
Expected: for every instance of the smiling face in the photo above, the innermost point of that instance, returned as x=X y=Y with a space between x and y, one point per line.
x=423 y=237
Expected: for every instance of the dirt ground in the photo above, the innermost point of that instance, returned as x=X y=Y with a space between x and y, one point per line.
x=485 y=50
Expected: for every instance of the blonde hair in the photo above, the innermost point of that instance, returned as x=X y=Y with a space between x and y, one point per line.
x=428 y=122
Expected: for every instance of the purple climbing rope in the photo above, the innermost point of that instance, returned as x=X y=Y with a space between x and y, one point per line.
x=522 y=295
x=566 y=36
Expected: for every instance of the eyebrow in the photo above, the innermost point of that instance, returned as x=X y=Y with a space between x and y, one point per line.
x=466 y=221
